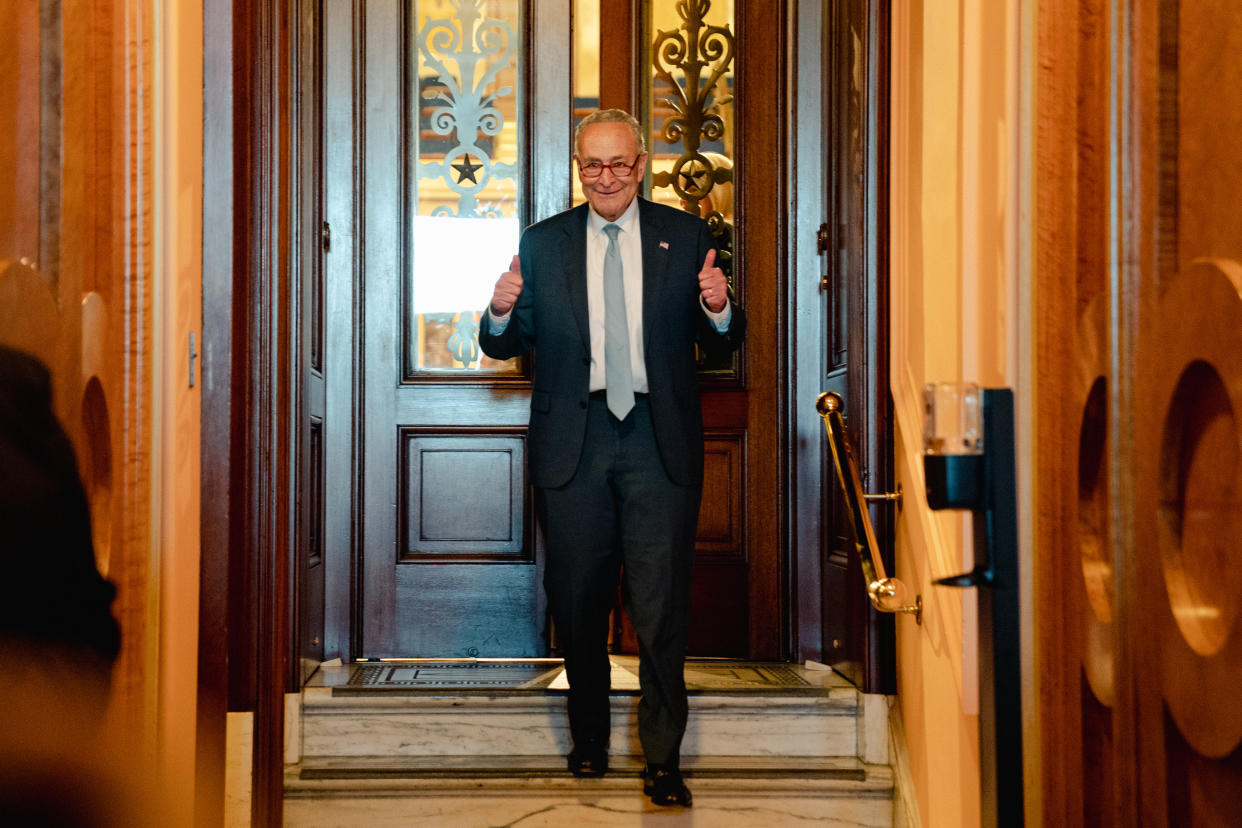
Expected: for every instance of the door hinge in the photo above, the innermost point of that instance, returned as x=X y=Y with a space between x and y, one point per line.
x=823 y=240
x=193 y=356
x=325 y=236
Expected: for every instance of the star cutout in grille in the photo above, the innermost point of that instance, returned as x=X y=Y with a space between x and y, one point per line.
x=466 y=170
x=692 y=175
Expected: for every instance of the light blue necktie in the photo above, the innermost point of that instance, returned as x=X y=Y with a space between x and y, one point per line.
x=618 y=373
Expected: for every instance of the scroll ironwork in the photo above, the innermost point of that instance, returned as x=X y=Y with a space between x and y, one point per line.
x=702 y=55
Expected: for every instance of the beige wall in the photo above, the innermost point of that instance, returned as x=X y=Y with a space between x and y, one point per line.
x=954 y=220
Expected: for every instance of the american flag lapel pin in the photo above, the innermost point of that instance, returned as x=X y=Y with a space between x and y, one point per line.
x=664 y=245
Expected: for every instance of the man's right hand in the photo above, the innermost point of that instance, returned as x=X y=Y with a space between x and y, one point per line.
x=508 y=289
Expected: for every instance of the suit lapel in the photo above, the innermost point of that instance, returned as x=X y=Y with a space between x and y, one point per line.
x=655 y=261
x=574 y=268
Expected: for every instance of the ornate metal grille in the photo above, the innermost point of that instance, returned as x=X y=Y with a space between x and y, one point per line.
x=692 y=70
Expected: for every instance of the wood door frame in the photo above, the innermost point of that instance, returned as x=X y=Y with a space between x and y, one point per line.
x=877 y=452
x=245 y=599
x=806 y=144
x=763 y=100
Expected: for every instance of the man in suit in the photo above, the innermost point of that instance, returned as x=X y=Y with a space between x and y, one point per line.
x=613 y=296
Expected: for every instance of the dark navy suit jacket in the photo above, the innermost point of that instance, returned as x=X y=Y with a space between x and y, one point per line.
x=551 y=317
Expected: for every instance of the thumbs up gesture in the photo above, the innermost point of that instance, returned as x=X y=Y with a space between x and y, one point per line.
x=713 y=286
x=508 y=288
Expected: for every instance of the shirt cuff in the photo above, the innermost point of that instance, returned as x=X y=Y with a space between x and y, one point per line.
x=720 y=320
x=496 y=324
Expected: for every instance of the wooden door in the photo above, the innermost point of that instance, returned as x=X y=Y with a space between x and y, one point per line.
x=447 y=553
x=842 y=323
x=1138 y=268
x=462 y=134
x=313 y=241
x=704 y=76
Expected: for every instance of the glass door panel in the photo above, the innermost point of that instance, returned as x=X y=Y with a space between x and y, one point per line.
x=466 y=182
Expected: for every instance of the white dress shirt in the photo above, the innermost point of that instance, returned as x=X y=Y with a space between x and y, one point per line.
x=630 y=242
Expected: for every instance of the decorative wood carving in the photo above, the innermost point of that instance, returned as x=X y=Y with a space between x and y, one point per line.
x=1136 y=588
x=1192 y=506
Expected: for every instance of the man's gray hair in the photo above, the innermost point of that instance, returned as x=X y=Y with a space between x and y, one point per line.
x=611 y=116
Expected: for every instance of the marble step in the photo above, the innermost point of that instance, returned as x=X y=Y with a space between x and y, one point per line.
x=333 y=724
x=620 y=766
x=463 y=791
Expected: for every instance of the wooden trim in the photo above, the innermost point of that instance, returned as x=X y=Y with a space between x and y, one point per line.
x=550 y=189
x=270 y=422
x=1055 y=254
x=247 y=441
x=620 y=26
x=342 y=112
x=806 y=151
x=219 y=440
x=762 y=90
x=881 y=648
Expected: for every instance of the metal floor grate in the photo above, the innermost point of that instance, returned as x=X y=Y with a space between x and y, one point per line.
x=701 y=676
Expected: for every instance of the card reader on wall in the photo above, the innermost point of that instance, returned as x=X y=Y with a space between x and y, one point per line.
x=953 y=445
x=968 y=463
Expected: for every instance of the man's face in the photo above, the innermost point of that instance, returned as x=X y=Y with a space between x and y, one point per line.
x=608 y=143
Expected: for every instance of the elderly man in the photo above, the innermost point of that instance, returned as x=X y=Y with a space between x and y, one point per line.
x=613 y=296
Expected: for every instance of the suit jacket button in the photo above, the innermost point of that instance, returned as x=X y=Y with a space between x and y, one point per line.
x=586 y=361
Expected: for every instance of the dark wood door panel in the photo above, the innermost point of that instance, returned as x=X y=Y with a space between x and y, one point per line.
x=465 y=498
x=469 y=610
x=309 y=570
x=720 y=607
x=431 y=404
x=722 y=518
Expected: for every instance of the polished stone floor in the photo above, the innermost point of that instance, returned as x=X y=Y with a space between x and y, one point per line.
x=593 y=803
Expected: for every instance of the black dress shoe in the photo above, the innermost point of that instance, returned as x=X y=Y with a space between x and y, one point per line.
x=589 y=762
x=665 y=787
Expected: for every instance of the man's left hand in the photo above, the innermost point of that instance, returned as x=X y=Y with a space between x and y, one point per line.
x=713 y=286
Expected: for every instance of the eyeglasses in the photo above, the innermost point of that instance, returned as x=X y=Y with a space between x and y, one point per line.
x=594 y=169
